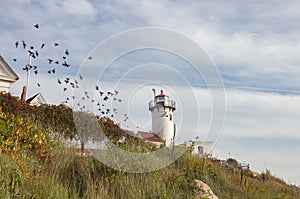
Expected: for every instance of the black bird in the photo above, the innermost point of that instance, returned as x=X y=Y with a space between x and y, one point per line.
x=116 y=92
x=36 y=26
x=64 y=57
x=101 y=93
x=80 y=77
x=65 y=64
x=49 y=71
x=97 y=87
x=24 y=44
x=31 y=47
x=105 y=98
x=90 y=58
x=38 y=84
x=57 y=62
x=67 y=52
x=53 y=71
x=42 y=46
x=15 y=59
x=17 y=43
x=50 y=60
x=36 y=72
x=34 y=67
x=119 y=100
x=56 y=44
x=65 y=89
x=36 y=53
x=58 y=81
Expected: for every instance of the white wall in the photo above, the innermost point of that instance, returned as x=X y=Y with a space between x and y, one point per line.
x=162 y=126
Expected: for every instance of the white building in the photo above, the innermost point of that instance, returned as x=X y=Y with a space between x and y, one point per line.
x=162 y=109
x=36 y=100
x=7 y=76
x=201 y=148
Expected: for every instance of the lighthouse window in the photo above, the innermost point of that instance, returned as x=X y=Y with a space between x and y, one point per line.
x=170 y=117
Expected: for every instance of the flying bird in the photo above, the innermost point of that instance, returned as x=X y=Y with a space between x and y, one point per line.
x=24 y=44
x=67 y=52
x=36 y=72
x=50 y=60
x=16 y=44
x=15 y=59
x=90 y=58
x=58 y=81
x=38 y=84
x=80 y=77
x=57 y=62
x=36 y=26
x=65 y=64
x=56 y=44
x=65 y=89
x=42 y=46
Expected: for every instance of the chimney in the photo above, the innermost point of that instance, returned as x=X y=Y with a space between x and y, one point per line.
x=23 y=95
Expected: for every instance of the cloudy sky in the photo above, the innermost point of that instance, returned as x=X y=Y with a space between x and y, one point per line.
x=255 y=46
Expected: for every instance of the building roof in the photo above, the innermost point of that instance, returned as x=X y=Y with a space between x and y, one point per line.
x=6 y=72
x=150 y=136
x=161 y=94
x=37 y=99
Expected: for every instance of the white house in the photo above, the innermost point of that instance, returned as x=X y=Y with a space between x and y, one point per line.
x=36 y=100
x=7 y=76
x=201 y=148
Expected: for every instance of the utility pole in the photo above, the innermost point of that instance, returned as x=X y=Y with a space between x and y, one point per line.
x=27 y=68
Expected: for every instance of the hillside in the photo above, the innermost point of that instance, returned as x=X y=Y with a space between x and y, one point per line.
x=35 y=164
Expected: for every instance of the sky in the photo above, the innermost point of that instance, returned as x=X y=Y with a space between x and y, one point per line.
x=249 y=106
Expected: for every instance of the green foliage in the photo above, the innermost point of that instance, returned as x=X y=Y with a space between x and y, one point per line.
x=57 y=118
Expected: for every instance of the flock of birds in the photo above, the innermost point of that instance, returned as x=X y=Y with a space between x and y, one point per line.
x=71 y=83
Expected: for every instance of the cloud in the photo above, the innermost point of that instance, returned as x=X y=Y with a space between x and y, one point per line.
x=79 y=8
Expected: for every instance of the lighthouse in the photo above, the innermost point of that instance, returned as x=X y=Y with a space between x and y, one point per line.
x=162 y=109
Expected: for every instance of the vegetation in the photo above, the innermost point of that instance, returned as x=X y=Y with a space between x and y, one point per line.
x=35 y=164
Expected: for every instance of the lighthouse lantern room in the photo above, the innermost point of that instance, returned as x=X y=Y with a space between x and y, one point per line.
x=162 y=109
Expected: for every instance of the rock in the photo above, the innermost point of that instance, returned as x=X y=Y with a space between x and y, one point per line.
x=206 y=191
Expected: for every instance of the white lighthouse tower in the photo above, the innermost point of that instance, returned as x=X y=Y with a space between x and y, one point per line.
x=162 y=109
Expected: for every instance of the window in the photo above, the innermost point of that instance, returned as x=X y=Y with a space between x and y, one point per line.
x=200 y=150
